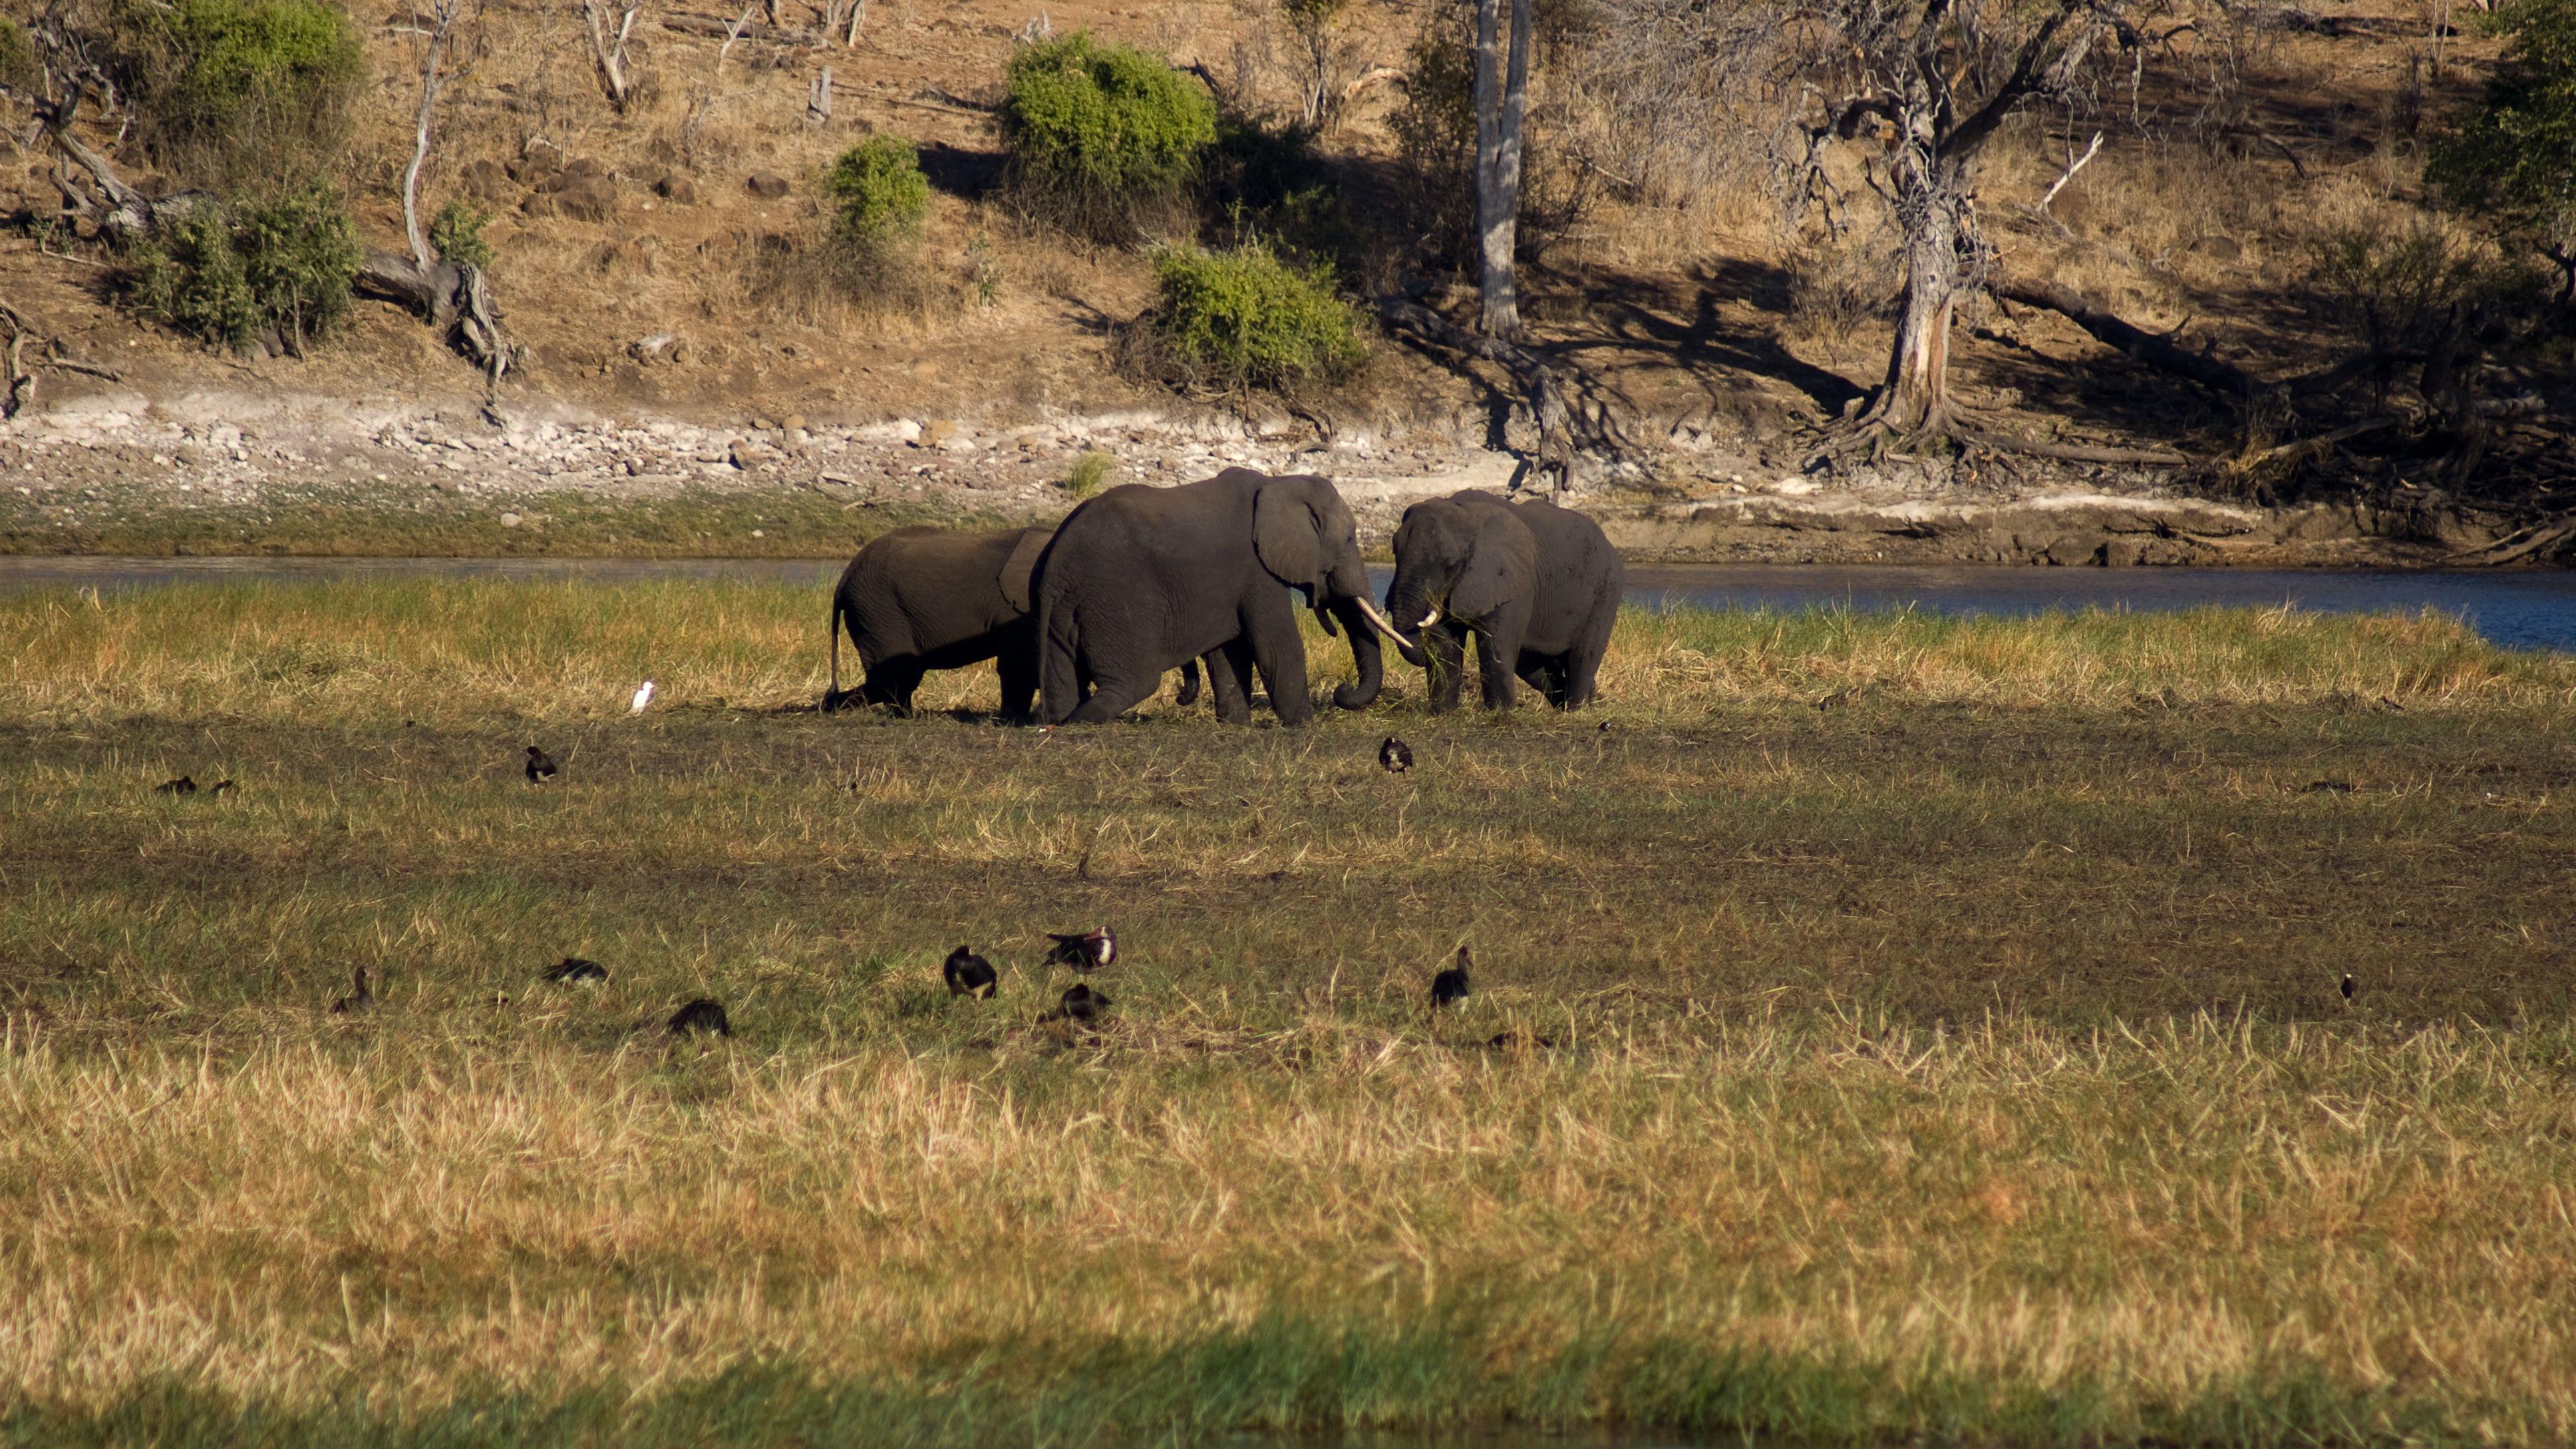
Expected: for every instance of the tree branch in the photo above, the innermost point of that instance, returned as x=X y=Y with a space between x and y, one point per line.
x=1981 y=127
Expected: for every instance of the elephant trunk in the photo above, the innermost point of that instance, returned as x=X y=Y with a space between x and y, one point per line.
x=1357 y=614
x=1404 y=599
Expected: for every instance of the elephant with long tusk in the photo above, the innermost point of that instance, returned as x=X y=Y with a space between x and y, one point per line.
x=1140 y=579
x=1536 y=585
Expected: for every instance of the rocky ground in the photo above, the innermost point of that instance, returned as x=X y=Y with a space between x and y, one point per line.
x=115 y=470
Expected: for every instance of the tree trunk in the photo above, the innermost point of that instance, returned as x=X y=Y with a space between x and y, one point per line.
x=429 y=81
x=1495 y=230
x=1502 y=244
x=1931 y=206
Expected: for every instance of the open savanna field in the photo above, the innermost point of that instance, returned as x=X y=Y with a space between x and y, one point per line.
x=1963 y=1061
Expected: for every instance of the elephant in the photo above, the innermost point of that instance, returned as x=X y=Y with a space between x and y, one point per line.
x=1139 y=579
x=922 y=598
x=1537 y=585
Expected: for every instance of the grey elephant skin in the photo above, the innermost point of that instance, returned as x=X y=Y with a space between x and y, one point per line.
x=923 y=598
x=1537 y=585
x=1140 y=579
x=919 y=599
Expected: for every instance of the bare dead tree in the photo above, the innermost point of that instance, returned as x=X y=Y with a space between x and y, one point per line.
x=1919 y=89
x=707 y=93
x=443 y=15
x=608 y=47
x=1502 y=109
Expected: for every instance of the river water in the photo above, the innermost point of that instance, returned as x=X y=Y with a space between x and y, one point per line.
x=2520 y=610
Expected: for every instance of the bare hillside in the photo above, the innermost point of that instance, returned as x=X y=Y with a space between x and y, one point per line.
x=645 y=257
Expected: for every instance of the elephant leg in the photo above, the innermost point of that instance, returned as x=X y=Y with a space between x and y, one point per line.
x=1109 y=693
x=1446 y=672
x=891 y=684
x=1542 y=673
x=1229 y=672
x=1280 y=651
x=1582 y=663
x=1019 y=685
x=1494 y=661
x=1188 y=693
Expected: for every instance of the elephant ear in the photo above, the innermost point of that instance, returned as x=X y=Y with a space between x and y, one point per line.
x=1288 y=536
x=1502 y=565
x=1019 y=571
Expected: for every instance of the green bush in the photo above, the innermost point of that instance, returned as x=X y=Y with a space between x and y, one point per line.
x=239 y=90
x=190 y=276
x=17 y=56
x=456 y=234
x=1103 y=136
x=879 y=195
x=2512 y=157
x=231 y=273
x=1243 y=318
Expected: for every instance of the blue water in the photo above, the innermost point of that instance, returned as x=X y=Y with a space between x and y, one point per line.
x=2520 y=610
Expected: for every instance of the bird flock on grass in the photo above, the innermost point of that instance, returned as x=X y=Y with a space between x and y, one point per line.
x=965 y=973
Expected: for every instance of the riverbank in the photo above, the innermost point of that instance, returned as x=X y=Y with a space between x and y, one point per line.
x=123 y=473
x=1962 y=1059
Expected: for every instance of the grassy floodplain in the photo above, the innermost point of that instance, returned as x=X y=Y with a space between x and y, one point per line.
x=1963 y=1061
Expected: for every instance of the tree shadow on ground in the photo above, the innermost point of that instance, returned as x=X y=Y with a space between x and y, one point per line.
x=1683 y=323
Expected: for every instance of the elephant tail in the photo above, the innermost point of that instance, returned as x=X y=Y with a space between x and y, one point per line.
x=832 y=631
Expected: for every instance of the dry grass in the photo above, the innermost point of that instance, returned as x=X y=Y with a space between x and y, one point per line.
x=452 y=648
x=1963 y=1061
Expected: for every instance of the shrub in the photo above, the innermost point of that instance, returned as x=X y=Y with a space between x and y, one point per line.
x=240 y=90
x=1089 y=473
x=17 y=56
x=456 y=234
x=190 y=277
x=1101 y=136
x=1243 y=318
x=230 y=273
x=879 y=195
x=2512 y=157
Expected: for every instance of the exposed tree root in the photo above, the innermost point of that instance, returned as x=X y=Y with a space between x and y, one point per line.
x=1560 y=430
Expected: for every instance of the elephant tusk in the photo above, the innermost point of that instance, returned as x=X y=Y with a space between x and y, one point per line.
x=1430 y=619
x=1380 y=620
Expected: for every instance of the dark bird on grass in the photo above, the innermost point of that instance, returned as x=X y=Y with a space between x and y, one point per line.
x=1079 y=1003
x=541 y=766
x=2348 y=987
x=706 y=1014
x=1395 y=756
x=358 y=1002
x=1086 y=951
x=574 y=969
x=1450 y=986
x=219 y=787
x=968 y=974
x=181 y=786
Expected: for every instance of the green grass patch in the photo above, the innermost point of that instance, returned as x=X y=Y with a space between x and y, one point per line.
x=1960 y=1063
x=363 y=519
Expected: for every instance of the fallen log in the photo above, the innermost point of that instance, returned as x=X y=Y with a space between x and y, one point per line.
x=2129 y=340
x=714 y=28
